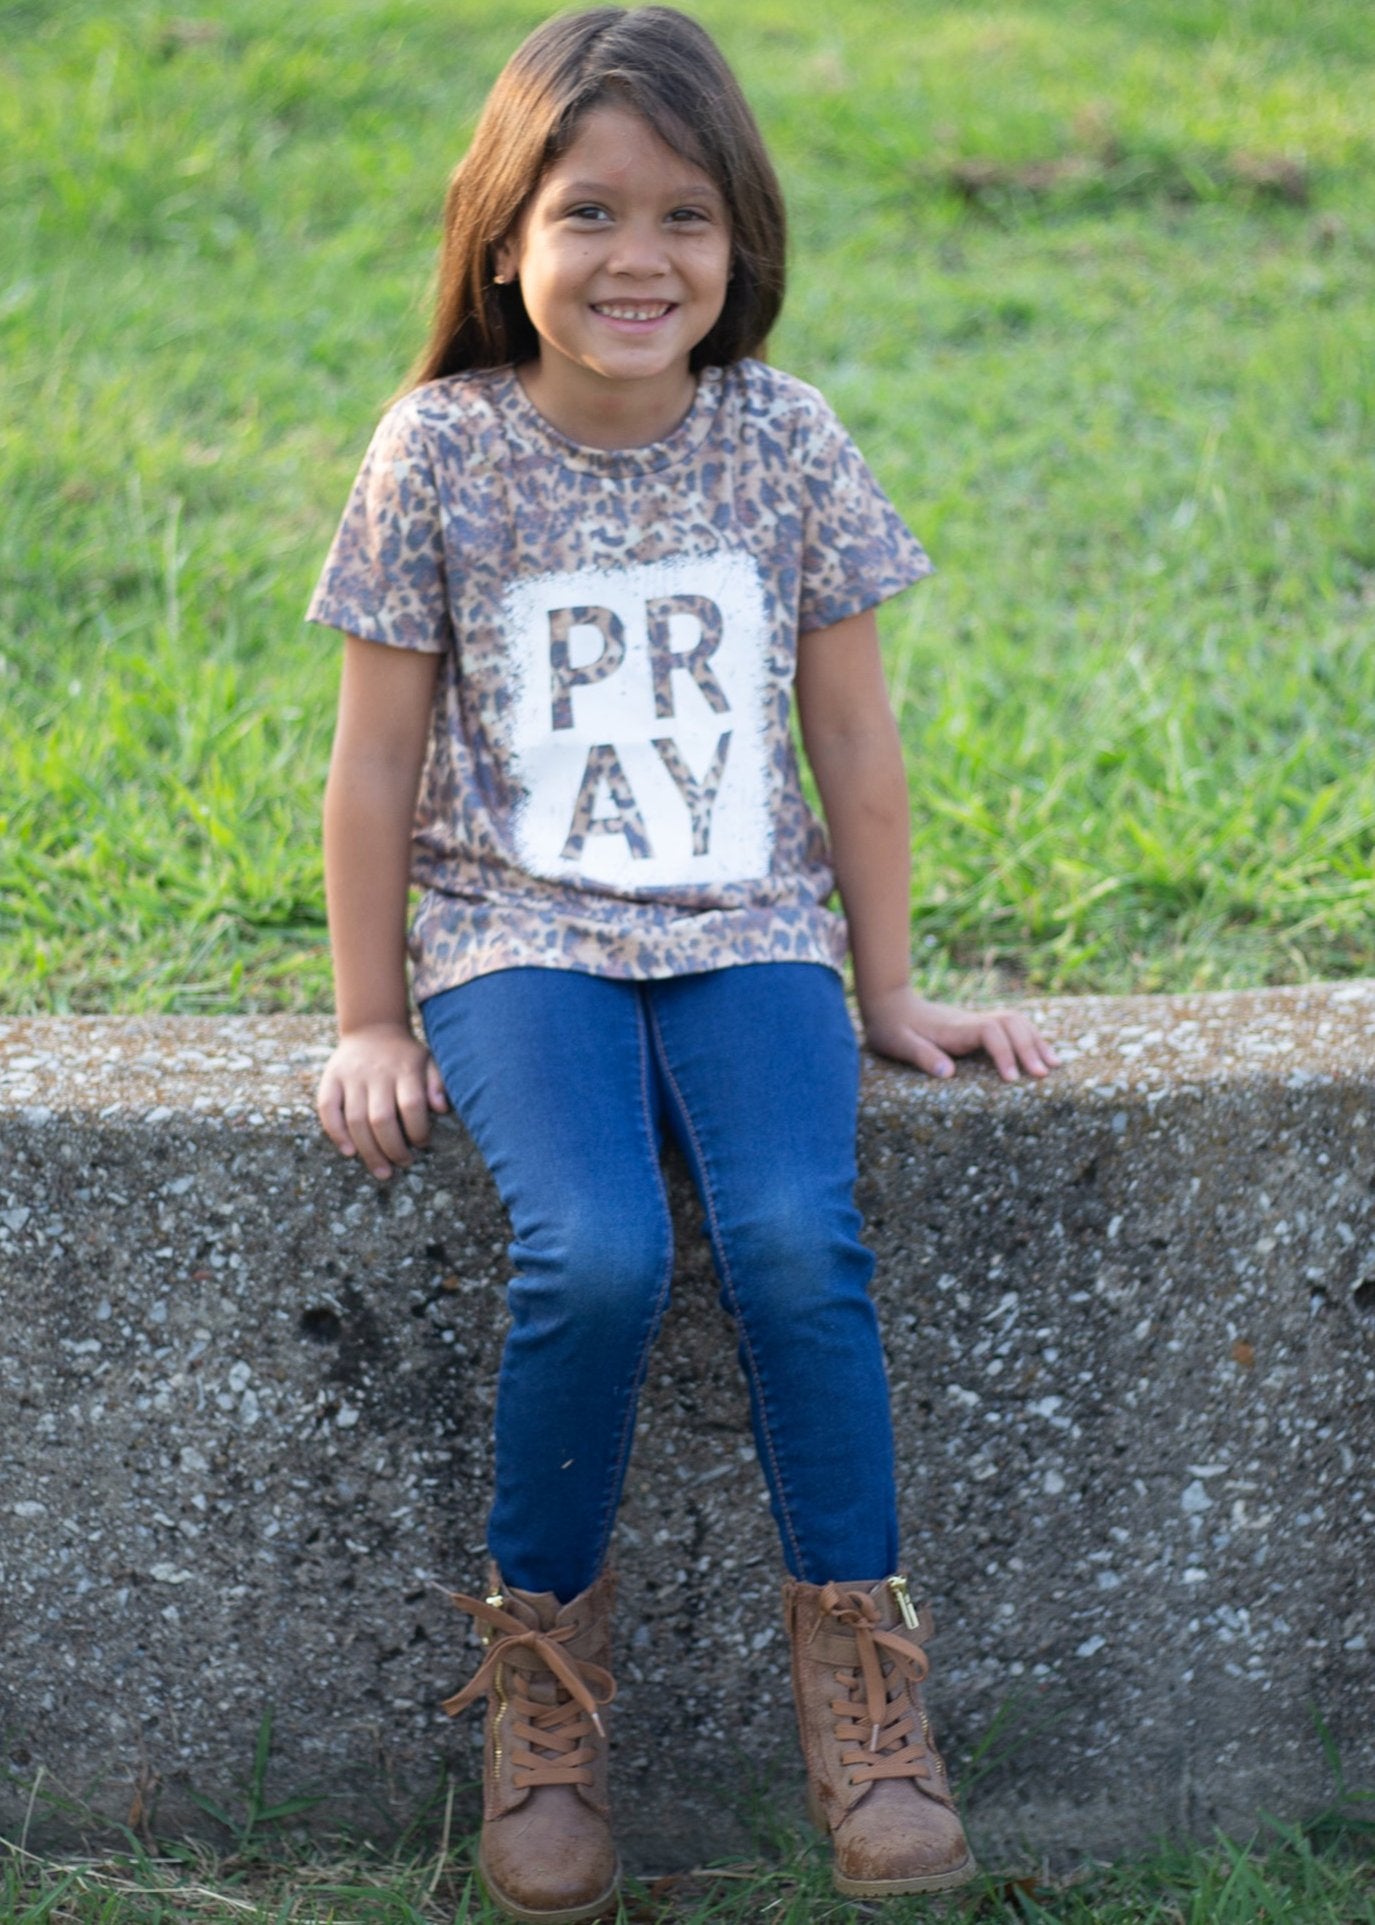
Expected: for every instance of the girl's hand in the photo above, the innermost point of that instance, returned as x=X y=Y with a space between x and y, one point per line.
x=376 y=1095
x=900 y=1023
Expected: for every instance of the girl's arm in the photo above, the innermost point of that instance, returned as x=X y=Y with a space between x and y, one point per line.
x=852 y=743
x=380 y=1084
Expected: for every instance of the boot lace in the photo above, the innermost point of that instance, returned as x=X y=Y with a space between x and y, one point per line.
x=550 y=1743
x=877 y=1721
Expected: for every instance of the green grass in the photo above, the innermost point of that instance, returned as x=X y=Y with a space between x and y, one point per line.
x=1317 y=1872
x=1088 y=279
x=1322 y=1875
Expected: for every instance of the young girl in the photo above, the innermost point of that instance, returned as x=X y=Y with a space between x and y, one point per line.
x=593 y=557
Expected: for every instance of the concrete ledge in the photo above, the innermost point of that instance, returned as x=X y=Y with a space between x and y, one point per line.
x=245 y=1400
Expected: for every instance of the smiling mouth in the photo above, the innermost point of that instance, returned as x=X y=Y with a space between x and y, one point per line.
x=628 y=311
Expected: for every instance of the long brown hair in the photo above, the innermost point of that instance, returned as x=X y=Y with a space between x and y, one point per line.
x=668 y=69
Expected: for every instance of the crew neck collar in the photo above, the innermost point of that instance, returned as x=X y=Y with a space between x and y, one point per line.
x=530 y=433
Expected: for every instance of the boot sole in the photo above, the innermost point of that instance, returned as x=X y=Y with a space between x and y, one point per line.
x=895 y=1887
x=561 y=1914
x=891 y=1887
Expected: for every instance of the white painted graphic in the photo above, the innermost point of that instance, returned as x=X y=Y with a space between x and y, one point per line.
x=638 y=723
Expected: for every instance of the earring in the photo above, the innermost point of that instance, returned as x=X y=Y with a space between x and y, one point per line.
x=502 y=280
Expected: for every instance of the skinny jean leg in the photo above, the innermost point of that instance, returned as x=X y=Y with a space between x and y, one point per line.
x=760 y=1071
x=553 y=1074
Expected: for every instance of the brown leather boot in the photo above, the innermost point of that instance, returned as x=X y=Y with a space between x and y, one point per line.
x=547 y=1853
x=875 y=1780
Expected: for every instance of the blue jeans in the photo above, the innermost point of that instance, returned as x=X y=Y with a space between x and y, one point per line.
x=567 y=1083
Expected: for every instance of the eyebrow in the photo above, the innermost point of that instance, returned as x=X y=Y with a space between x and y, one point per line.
x=696 y=189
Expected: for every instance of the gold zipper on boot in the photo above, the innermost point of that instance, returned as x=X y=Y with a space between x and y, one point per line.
x=498 y=1602
x=898 y=1586
x=499 y=1694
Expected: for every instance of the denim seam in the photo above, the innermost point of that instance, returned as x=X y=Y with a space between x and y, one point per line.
x=656 y=1310
x=719 y=1246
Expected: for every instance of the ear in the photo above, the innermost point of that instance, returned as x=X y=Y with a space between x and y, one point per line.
x=506 y=256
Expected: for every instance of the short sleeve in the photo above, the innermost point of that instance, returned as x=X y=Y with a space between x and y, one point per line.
x=857 y=550
x=384 y=578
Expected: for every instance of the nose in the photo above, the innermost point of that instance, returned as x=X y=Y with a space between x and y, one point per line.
x=639 y=252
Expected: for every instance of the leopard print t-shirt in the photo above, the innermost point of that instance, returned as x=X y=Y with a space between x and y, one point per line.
x=610 y=784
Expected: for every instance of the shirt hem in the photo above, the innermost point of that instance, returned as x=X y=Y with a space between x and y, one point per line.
x=429 y=982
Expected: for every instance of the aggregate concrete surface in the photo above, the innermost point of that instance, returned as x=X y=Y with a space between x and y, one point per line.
x=1130 y=1321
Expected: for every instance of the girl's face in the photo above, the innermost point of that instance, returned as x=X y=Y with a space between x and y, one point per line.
x=623 y=255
